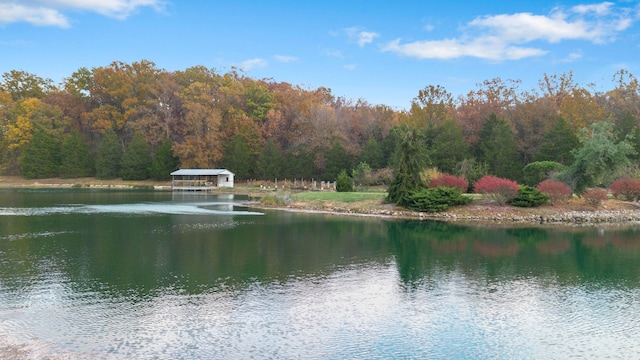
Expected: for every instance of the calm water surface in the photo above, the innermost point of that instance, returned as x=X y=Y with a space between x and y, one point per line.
x=98 y=274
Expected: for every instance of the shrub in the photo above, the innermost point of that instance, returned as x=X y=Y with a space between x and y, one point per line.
x=528 y=196
x=344 y=182
x=499 y=189
x=538 y=171
x=556 y=190
x=429 y=174
x=626 y=189
x=594 y=197
x=450 y=181
x=436 y=199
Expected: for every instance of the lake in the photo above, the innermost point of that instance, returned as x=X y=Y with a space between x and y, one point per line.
x=127 y=274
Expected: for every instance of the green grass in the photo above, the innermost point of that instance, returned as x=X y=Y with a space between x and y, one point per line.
x=346 y=197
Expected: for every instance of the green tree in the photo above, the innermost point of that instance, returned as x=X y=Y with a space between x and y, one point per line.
x=109 y=157
x=598 y=159
x=164 y=162
x=269 y=162
x=136 y=160
x=344 y=183
x=238 y=158
x=497 y=147
x=448 y=147
x=41 y=156
x=75 y=157
x=373 y=154
x=558 y=144
x=411 y=159
x=337 y=160
x=299 y=164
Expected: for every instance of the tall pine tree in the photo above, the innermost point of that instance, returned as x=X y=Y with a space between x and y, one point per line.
x=411 y=159
x=558 y=144
x=136 y=160
x=269 y=162
x=109 y=156
x=164 y=162
x=75 y=156
x=41 y=156
x=498 y=149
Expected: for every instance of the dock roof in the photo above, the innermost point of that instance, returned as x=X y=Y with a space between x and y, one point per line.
x=196 y=172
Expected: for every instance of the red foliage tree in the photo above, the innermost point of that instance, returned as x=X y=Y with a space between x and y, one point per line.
x=499 y=189
x=556 y=190
x=626 y=188
x=450 y=181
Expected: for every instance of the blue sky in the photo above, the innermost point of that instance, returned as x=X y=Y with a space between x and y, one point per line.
x=380 y=51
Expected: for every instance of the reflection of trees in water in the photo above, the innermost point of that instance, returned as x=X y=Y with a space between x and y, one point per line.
x=496 y=248
x=553 y=247
x=426 y=250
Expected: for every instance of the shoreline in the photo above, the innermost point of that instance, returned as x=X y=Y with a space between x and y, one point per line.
x=572 y=212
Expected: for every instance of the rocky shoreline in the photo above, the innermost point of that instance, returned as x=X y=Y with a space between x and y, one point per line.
x=488 y=214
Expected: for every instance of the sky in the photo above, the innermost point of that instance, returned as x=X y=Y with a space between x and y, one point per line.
x=383 y=52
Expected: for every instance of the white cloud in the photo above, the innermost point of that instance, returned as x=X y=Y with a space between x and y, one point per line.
x=359 y=36
x=285 y=59
x=350 y=66
x=39 y=16
x=52 y=12
x=504 y=36
x=252 y=64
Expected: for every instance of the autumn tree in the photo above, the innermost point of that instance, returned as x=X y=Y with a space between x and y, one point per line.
x=433 y=105
x=201 y=145
x=23 y=85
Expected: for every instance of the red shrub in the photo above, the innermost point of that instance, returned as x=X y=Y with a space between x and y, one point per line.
x=627 y=189
x=499 y=189
x=595 y=196
x=450 y=181
x=556 y=190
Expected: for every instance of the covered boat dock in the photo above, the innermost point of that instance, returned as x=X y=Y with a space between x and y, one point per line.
x=201 y=179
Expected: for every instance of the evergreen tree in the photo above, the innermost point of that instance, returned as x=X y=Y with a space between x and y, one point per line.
x=411 y=158
x=598 y=158
x=389 y=147
x=238 y=159
x=269 y=162
x=41 y=156
x=558 y=144
x=109 y=156
x=164 y=162
x=344 y=183
x=299 y=164
x=498 y=149
x=75 y=156
x=625 y=126
x=136 y=160
x=337 y=160
x=372 y=154
x=448 y=147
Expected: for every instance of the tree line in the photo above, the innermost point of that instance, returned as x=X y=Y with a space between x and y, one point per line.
x=136 y=121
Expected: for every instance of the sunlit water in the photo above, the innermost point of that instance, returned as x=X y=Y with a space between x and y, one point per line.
x=158 y=275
